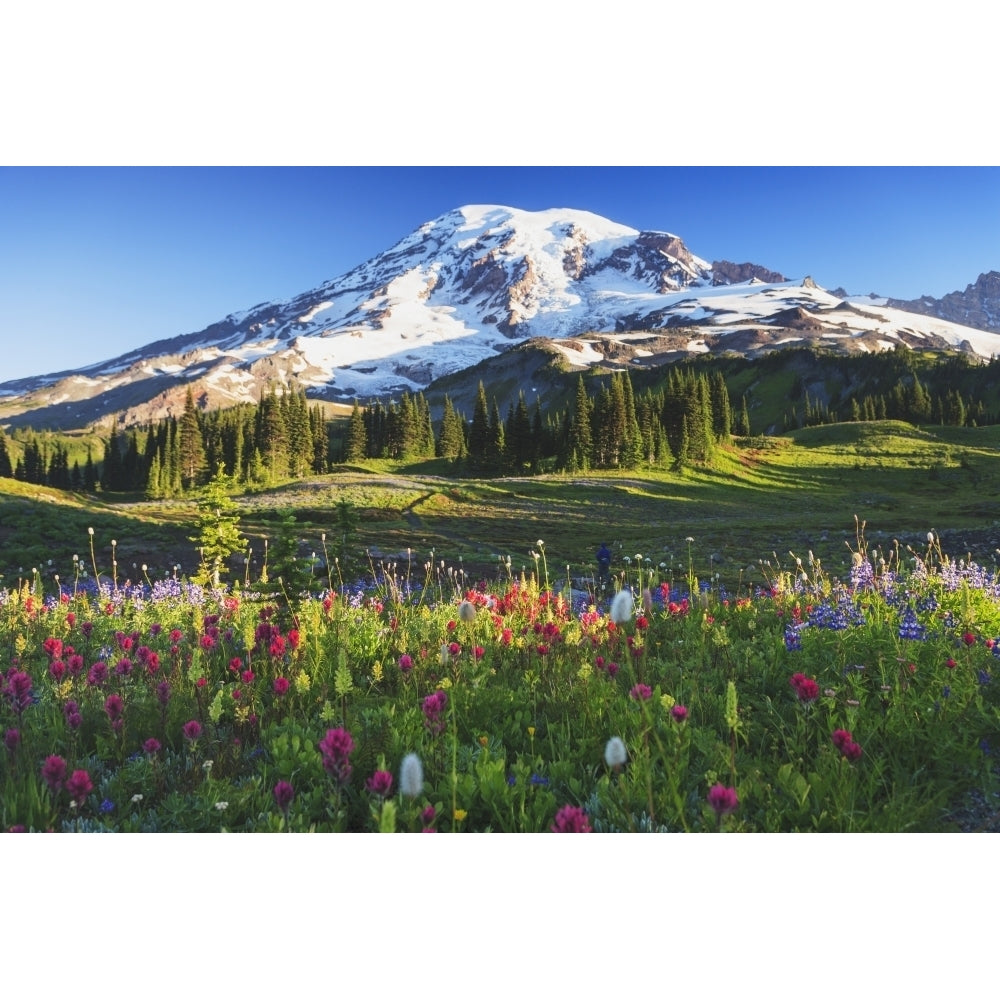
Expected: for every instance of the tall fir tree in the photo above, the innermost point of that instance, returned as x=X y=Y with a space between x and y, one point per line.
x=356 y=447
x=191 y=445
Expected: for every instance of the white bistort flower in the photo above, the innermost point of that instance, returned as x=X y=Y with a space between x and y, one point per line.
x=411 y=776
x=615 y=753
x=621 y=607
x=467 y=611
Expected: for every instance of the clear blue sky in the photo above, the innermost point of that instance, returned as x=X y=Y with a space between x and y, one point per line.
x=95 y=261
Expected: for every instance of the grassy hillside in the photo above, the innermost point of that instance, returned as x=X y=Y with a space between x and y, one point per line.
x=771 y=496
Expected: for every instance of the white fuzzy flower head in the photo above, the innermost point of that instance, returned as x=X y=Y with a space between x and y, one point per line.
x=930 y=537
x=621 y=607
x=540 y=544
x=411 y=776
x=444 y=656
x=222 y=806
x=467 y=611
x=615 y=753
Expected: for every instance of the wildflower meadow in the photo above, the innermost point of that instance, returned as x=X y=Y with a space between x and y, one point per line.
x=417 y=701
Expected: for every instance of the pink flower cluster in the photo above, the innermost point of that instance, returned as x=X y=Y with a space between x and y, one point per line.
x=283 y=795
x=844 y=742
x=571 y=819
x=433 y=707
x=805 y=687
x=722 y=799
x=336 y=748
x=380 y=784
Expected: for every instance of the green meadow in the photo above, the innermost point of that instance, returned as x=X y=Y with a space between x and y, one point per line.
x=765 y=502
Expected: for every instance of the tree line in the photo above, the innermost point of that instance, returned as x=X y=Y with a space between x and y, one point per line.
x=680 y=416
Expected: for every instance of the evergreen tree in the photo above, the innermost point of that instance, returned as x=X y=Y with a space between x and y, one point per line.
x=191 y=446
x=356 y=449
x=89 y=472
x=272 y=436
x=154 y=488
x=111 y=469
x=479 y=433
x=722 y=411
x=451 y=437
x=580 y=442
x=6 y=469
x=300 y=443
x=496 y=452
x=320 y=440
x=218 y=529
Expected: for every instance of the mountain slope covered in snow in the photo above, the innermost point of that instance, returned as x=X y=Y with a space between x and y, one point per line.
x=466 y=286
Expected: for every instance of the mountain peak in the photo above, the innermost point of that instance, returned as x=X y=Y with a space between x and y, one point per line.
x=460 y=289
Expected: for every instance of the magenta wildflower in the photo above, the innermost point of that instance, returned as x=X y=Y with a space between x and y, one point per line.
x=433 y=708
x=57 y=670
x=844 y=742
x=12 y=739
x=406 y=663
x=151 y=746
x=723 y=800
x=97 y=674
x=54 y=772
x=679 y=713
x=191 y=730
x=805 y=687
x=114 y=707
x=19 y=690
x=641 y=692
x=71 y=712
x=280 y=685
x=380 y=784
x=283 y=795
x=841 y=737
x=79 y=786
x=163 y=692
x=571 y=819
x=336 y=748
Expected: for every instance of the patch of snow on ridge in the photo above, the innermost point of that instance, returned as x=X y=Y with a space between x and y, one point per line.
x=578 y=352
x=307 y=317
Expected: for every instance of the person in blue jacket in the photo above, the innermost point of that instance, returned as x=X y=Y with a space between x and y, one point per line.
x=604 y=563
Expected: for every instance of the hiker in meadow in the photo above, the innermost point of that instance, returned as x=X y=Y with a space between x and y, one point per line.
x=604 y=564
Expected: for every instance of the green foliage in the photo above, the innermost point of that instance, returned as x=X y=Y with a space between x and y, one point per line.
x=218 y=530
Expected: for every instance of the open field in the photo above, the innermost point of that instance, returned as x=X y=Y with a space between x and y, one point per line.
x=805 y=492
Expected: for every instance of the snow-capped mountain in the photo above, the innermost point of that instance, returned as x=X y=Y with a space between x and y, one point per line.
x=464 y=287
